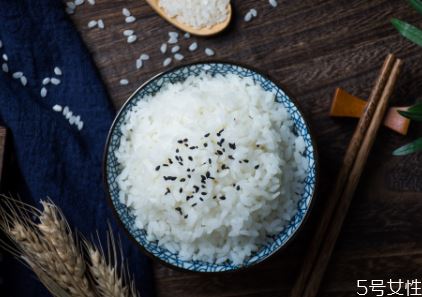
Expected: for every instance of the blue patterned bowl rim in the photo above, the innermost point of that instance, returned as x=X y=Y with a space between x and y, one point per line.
x=126 y=218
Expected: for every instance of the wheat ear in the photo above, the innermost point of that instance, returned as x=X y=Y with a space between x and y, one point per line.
x=39 y=246
x=56 y=231
x=104 y=270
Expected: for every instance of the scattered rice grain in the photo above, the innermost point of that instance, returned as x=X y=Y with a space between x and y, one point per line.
x=5 y=67
x=175 y=49
x=163 y=48
x=167 y=62
x=101 y=24
x=57 y=71
x=130 y=19
x=57 y=108
x=92 y=24
x=43 y=92
x=17 y=75
x=209 y=52
x=128 y=32
x=79 y=2
x=124 y=82
x=131 y=39
x=179 y=57
x=24 y=81
x=273 y=3
x=55 y=81
x=144 y=57
x=46 y=81
x=193 y=46
x=126 y=12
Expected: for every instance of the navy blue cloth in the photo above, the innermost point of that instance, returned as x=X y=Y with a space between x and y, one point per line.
x=54 y=158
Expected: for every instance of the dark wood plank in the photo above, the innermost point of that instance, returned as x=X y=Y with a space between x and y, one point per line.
x=309 y=47
x=2 y=149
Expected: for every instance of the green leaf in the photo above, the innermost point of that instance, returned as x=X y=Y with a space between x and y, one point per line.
x=413 y=113
x=407 y=30
x=413 y=147
x=417 y=4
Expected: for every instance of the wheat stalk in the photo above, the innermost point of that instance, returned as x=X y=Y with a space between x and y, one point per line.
x=109 y=282
x=57 y=233
x=44 y=241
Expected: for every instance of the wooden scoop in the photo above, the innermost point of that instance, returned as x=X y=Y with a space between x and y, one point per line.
x=206 y=31
x=347 y=105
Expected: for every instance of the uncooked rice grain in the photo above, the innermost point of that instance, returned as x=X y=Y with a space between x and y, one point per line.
x=197 y=13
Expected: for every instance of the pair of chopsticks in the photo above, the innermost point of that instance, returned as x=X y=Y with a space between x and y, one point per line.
x=323 y=242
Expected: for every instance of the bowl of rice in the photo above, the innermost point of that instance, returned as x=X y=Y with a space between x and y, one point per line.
x=210 y=167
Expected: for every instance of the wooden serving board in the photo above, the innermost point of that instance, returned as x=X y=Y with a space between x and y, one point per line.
x=310 y=47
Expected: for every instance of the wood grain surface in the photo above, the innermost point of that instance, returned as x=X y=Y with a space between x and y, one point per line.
x=310 y=47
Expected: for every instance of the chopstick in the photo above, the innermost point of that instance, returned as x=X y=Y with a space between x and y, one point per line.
x=322 y=245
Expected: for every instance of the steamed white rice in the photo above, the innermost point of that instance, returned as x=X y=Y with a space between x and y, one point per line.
x=198 y=195
x=197 y=13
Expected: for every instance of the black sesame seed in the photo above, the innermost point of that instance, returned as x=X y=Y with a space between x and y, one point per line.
x=167 y=192
x=240 y=162
x=169 y=177
x=182 y=179
x=177 y=151
x=221 y=142
x=257 y=145
x=186 y=216
x=222 y=197
x=214 y=197
x=206 y=135
x=204 y=193
x=232 y=145
x=188 y=170
x=166 y=165
x=192 y=147
x=203 y=177
x=176 y=157
x=205 y=144
x=203 y=187
x=234 y=185
x=170 y=161
x=219 y=132
x=208 y=174
x=256 y=166
x=189 y=176
x=193 y=170
x=246 y=161
x=231 y=157
x=238 y=188
x=157 y=168
x=190 y=158
x=186 y=145
x=180 y=159
x=200 y=198
x=189 y=197
x=209 y=160
x=193 y=205
x=224 y=149
x=180 y=190
x=219 y=152
x=180 y=141
x=180 y=163
x=185 y=140
x=196 y=189
x=203 y=181
x=179 y=210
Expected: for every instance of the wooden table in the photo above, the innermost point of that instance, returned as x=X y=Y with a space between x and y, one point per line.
x=310 y=47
